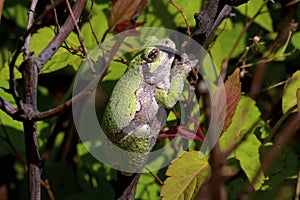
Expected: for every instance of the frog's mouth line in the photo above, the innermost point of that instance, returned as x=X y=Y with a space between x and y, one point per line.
x=166 y=49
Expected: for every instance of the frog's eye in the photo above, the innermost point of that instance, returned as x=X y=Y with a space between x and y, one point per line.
x=152 y=55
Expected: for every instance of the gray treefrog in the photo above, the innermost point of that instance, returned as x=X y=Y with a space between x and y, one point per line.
x=136 y=113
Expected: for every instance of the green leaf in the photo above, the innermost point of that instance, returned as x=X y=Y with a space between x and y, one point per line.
x=234 y=187
x=225 y=42
x=62 y=58
x=295 y=40
x=298 y=99
x=16 y=13
x=153 y=17
x=147 y=188
x=99 y=23
x=10 y=128
x=245 y=119
x=188 y=7
x=4 y=52
x=185 y=180
x=289 y=98
x=264 y=19
x=4 y=73
x=282 y=175
x=248 y=155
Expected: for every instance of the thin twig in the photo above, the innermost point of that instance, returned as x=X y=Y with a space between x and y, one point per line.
x=29 y=24
x=7 y=107
x=12 y=62
x=155 y=176
x=64 y=32
x=279 y=123
x=247 y=26
x=217 y=35
x=46 y=185
x=273 y=86
x=63 y=107
x=268 y=60
x=81 y=40
x=183 y=15
x=91 y=25
x=12 y=83
x=37 y=24
x=56 y=18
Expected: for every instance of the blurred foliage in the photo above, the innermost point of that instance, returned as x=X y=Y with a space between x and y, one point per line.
x=72 y=173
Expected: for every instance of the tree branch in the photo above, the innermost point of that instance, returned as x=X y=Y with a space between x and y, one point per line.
x=208 y=20
x=34 y=164
x=7 y=107
x=63 y=33
x=29 y=24
x=64 y=107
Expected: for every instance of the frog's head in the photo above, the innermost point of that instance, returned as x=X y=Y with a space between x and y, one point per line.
x=157 y=62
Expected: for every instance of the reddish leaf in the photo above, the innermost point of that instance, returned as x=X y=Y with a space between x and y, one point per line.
x=1 y=7
x=122 y=11
x=233 y=96
x=122 y=26
x=184 y=133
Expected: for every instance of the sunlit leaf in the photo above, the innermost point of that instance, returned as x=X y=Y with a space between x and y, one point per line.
x=188 y=7
x=99 y=22
x=245 y=120
x=226 y=41
x=295 y=40
x=147 y=188
x=289 y=98
x=62 y=58
x=186 y=174
x=264 y=19
x=298 y=99
x=4 y=73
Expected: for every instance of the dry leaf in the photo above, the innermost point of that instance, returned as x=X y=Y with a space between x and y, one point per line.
x=233 y=96
x=122 y=11
x=1 y=7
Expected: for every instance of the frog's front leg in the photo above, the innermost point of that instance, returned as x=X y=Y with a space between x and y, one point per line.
x=169 y=97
